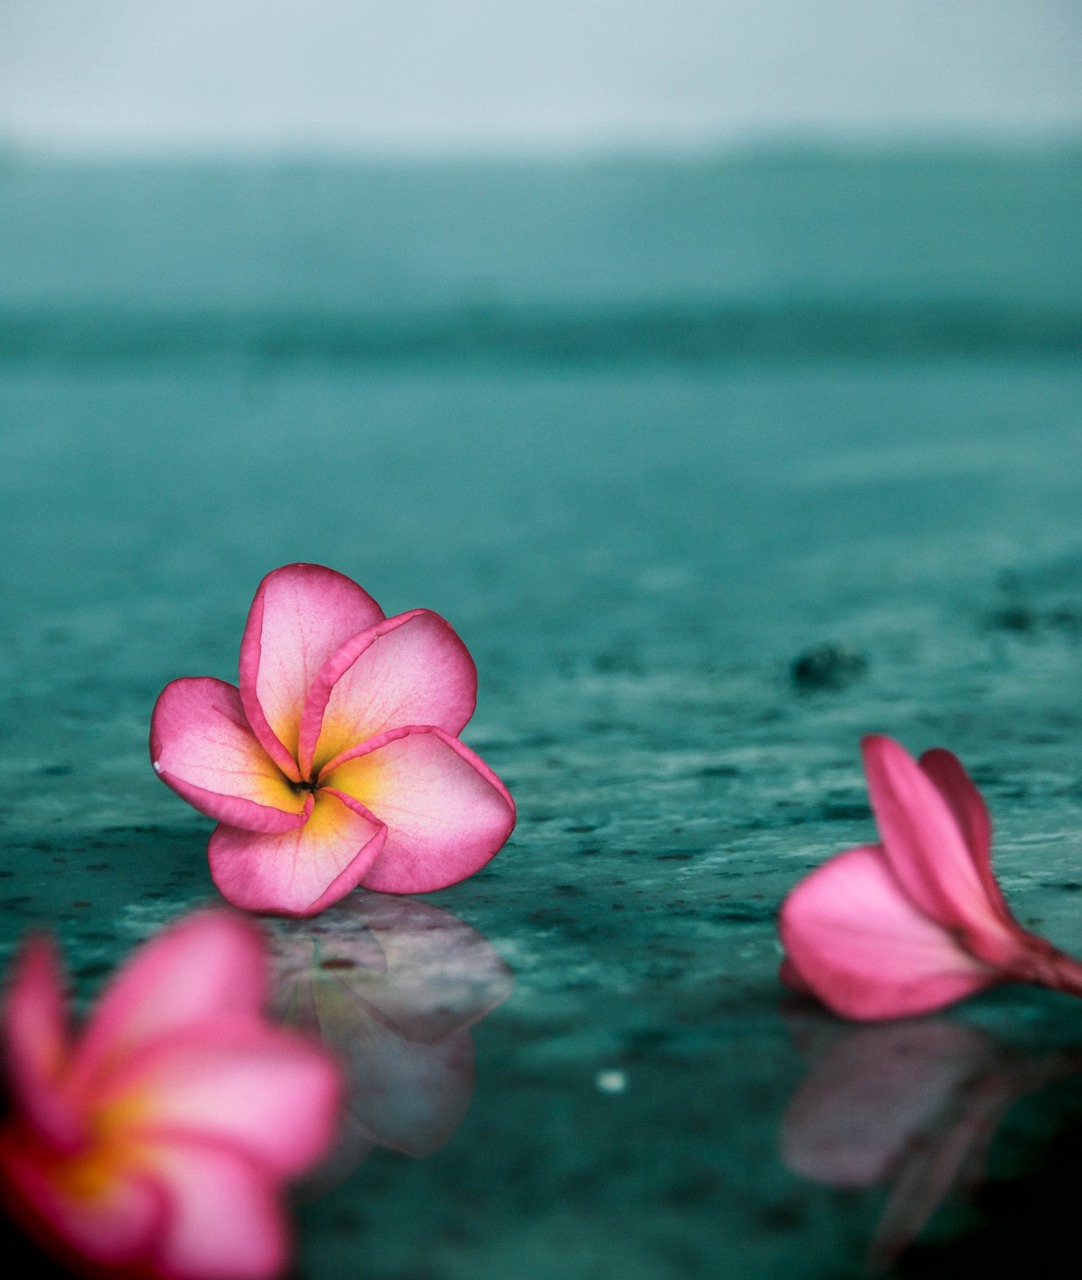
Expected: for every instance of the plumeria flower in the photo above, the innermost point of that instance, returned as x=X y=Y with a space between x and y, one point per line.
x=336 y=763
x=916 y=921
x=156 y=1142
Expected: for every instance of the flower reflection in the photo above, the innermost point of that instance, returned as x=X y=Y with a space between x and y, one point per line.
x=914 y=1105
x=393 y=985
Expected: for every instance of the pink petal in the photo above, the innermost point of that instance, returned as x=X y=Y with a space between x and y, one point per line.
x=411 y=669
x=865 y=950
x=300 y=615
x=209 y=966
x=260 y=1089
x=202 y=747
x=299 y=872
x=35 y=1044
x=446 y=812
x=971 y=815
x=928 y=854
x=225 y=1220
x=113 y=1225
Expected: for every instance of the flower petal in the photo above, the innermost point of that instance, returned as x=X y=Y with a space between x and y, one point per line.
x=209 y=966
x=300 y=615
x=410 y=669
x=35 y=1043
x=203 y=748
x=298 y=872
x=928 y=855
x=110 y=1224
x=225 y=1221
x=261 y=1089
x=865 y=950
x=971 y=814
x=446 y=812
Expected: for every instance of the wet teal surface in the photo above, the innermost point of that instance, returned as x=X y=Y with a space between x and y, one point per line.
x=528 y=399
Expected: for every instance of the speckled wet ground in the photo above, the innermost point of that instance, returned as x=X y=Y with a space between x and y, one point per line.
x=691 y=577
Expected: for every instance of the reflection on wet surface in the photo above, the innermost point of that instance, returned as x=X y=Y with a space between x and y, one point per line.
x=393 y=985
x=912 y=1106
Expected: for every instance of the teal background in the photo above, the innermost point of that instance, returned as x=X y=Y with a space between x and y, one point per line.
x=644 y=432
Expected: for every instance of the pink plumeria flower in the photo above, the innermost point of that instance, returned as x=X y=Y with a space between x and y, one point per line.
x=336 y=763
x=155 y=1144
x=917 y=921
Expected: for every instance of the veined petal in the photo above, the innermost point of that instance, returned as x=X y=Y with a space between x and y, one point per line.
x=258 y=1088
x=971 y=814
x=927 y=853
x=300 y=615
x=299 y=872
x=35 y=1044
x=209 y=966
x=446 y=812
x=202 y=747
x=410 y=669
x=225 y=1221
x=865 y=950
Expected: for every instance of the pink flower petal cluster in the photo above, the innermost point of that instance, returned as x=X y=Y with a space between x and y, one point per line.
x=918 y=920
x=337 y=762
x=155 y=1144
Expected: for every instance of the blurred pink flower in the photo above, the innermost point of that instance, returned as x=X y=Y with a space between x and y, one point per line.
x=336 y=763
x=917 y=921
x=155 y=1143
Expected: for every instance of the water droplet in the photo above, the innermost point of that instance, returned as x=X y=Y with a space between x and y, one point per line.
x=611 y=1081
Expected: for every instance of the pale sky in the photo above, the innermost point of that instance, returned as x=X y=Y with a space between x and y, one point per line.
x=422 y=76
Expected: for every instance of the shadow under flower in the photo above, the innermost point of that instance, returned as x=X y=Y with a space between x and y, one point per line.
x=912 y=1105
x=393 y=986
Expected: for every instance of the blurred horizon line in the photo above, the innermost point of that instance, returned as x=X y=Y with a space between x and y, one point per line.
x=783 y=144
x=689 y=331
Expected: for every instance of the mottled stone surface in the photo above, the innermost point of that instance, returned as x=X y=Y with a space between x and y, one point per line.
x=639 y=554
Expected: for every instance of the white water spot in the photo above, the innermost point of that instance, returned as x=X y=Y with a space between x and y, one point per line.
x=611 y=1081
x=157 y=766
